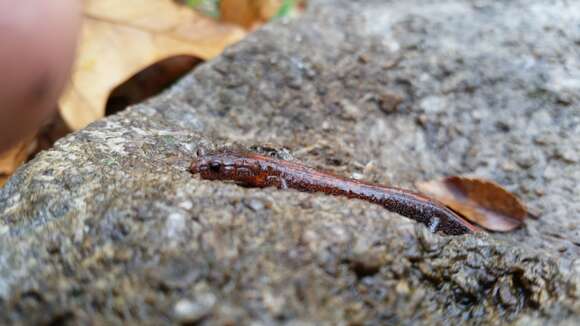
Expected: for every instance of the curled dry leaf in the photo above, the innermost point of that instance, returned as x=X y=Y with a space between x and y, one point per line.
x=121 y=37
x=481 y=201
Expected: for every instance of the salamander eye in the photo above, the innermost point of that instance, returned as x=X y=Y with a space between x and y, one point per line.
x=215 y=166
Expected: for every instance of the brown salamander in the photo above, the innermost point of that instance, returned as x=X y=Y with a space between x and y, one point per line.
x=254 y=170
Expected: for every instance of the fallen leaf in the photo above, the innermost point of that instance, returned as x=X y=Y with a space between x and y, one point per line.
x=121 y=37
x=481 y=201
x=53 y=130
x=248 y=13
x=10 y=160
x=149 y=82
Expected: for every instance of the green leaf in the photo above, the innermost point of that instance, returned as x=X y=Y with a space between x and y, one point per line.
x=193 y=3
x=285 y=8
x=207 y=7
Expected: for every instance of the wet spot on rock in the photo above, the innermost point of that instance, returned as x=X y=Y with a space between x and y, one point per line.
x=365 y=267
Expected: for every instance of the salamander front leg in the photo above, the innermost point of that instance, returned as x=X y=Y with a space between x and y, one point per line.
x=283 y=184
x=277 y=181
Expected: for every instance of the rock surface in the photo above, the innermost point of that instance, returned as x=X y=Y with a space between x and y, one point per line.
x=109 y=226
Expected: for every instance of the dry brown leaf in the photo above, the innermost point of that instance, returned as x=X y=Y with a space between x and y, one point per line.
x=13 y=158
x=50 y=132
x=248 y=13
x=481 y=201
x=121 y=37
x=149 y=82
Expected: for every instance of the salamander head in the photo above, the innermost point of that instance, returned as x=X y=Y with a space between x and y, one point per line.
x=213 y=167
x=218 y=166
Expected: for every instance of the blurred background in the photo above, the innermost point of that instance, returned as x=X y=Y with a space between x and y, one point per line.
x=71 y=64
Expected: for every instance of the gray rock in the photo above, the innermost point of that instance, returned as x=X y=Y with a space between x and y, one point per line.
x=110 y=227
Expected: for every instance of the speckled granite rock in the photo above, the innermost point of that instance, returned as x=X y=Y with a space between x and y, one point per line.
x=110 y=227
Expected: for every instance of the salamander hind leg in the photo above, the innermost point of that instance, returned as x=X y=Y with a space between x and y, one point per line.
x=433 y=224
